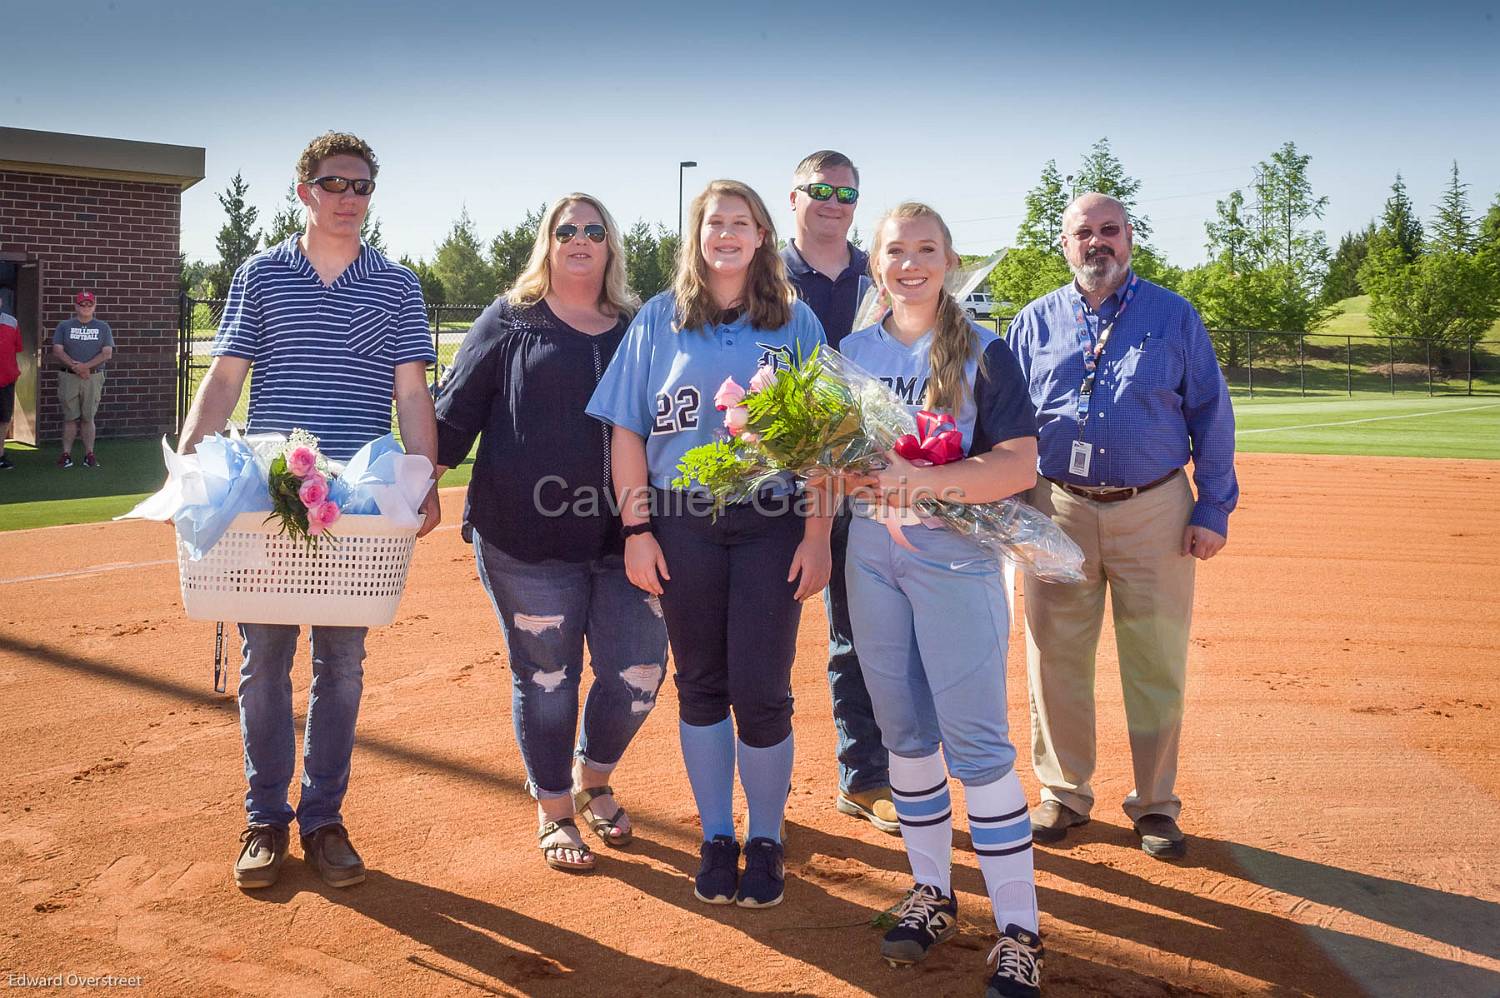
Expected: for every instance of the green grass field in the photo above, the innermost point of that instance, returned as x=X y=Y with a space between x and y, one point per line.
x=39 y=494
x=1445 y=426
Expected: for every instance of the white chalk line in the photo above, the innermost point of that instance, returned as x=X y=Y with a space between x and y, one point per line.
x=120 y=566
x=1368 y=419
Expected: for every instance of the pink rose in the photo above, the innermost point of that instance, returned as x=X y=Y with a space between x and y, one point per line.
x=735 y=419
x=301 y=460
x=314 y=527
x=328 y=513
x=729 y=394
x=765 y=377
x=314 y=490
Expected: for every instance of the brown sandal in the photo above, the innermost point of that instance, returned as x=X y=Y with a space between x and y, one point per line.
x=549 y=852
x=601 y=826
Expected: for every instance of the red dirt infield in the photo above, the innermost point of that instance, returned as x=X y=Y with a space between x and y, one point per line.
x=1340 y=773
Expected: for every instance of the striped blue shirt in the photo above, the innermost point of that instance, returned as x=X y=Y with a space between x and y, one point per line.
x=323 y=357
x=1158 y=400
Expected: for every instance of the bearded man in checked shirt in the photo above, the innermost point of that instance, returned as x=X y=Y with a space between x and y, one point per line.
x=1127 y=390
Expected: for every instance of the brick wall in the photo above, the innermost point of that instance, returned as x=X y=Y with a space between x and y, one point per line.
x=118 y=239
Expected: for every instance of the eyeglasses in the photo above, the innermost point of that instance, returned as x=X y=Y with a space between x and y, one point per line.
x=338 y=185
x=822 y=192
x=566 y=231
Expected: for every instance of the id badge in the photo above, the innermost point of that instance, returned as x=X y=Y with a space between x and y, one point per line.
x=1078 y=460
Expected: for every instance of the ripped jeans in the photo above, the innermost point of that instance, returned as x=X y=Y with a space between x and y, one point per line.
x=547 y=609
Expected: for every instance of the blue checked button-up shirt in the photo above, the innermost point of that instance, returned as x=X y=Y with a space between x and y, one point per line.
x=1159 y=397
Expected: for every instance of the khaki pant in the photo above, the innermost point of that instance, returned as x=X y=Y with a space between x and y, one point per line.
x=79 y=396
x=1134 y=548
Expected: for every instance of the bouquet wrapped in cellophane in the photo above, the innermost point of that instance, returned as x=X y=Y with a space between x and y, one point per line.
x=825 y=416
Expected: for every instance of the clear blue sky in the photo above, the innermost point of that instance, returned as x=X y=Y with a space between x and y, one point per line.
x=956 y=103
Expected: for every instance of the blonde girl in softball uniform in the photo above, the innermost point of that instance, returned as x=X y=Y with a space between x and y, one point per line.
x=928 y=607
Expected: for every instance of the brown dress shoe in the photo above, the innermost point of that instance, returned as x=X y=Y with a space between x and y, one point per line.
x=1160 y=837
x=261 y=856
x=1052 y=819
x=328 y=851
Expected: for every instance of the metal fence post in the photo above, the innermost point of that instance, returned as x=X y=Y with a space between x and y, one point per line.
x=1250 y=360
x=1349 y=364
x=1429 y=367
x=1391 y=346
x=1471 y=365
x=1302 y=365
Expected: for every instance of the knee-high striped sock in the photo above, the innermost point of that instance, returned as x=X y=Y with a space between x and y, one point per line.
x=708 y=752
x=766 y=775
x=1001 y=830
x=919 y=789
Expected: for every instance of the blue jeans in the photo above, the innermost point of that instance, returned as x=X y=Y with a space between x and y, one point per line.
x=547 y=610
x=265 y=695
x=863 y=761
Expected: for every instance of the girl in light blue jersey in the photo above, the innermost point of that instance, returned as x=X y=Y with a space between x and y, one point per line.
x=731 y=587
x=929 y=612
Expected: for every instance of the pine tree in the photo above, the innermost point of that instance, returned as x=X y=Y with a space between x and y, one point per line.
x=370 y=232
x=460 y=267
x=1343 y=271
x=649 y=258
x=1101 y=172
x=1044 y=208
x=237 y=240
x=1399 y=225
x=1453 y=228
x=511 y=249
x=288 y=219
x=1489 y=228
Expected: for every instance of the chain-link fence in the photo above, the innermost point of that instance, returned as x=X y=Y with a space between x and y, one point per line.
x=1312 y=364
x=1256 y=363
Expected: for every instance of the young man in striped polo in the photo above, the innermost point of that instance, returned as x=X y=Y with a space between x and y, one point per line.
x=333 y=330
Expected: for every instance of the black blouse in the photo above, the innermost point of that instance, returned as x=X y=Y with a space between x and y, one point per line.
x=541 y=487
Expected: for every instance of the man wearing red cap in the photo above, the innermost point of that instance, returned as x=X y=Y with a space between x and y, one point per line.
x=82 y=345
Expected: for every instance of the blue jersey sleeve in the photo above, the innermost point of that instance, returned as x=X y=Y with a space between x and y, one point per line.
x=624 y=397
x=1004 y=405
x=807 y=331
x=239 y=328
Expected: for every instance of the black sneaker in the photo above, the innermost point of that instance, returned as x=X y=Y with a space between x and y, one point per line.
x=5 y=464
x=261 y=856
x=1017 y=959
x=719 y=872
x=66 y=461
x=764 y=881
x=329 y=851
x=924 y=919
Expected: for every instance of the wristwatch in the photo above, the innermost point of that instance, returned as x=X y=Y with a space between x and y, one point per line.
x=637 y=528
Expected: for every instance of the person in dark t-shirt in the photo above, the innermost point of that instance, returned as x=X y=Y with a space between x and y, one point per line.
x=546 y=531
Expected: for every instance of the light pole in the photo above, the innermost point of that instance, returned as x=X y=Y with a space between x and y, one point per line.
x=680 y=167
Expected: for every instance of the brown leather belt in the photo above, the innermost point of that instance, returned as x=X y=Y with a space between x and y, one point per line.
x=1113 y=495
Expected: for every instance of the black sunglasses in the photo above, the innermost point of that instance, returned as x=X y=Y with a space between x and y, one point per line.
x=822 y=192
x=566 y=231
x=338 y=185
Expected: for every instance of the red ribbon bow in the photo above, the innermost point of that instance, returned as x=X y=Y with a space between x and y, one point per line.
x=939 y=443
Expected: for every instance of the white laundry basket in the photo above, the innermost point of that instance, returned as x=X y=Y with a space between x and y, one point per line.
x=254 y=575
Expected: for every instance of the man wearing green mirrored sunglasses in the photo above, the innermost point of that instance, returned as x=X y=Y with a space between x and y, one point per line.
x=832 y=275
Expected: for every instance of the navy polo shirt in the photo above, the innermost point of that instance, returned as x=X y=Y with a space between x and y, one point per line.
x=836 y=302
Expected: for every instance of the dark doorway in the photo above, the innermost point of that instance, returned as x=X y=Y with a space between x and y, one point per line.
x=21 y=286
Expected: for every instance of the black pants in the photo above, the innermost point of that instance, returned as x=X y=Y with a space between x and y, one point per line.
x=731 y=614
